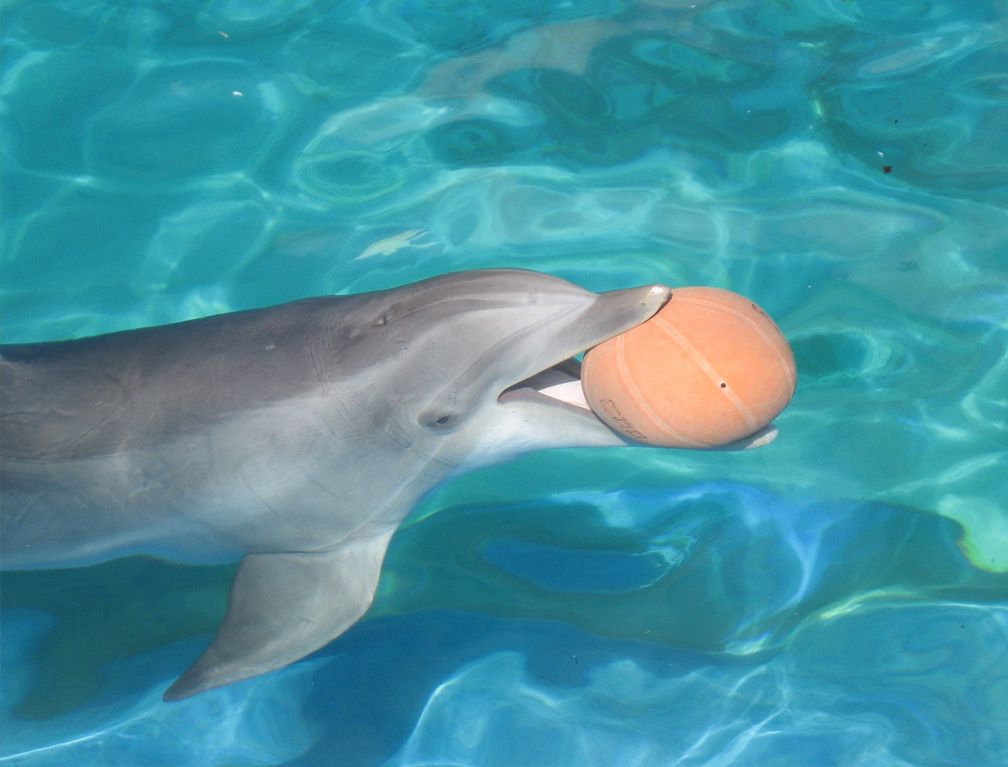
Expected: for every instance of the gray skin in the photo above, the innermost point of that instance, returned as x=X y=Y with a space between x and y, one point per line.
x=295 y=438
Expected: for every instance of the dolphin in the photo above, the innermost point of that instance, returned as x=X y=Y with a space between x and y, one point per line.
x=294 y=438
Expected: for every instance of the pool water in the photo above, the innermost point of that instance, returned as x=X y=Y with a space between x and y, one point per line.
x=837 y=598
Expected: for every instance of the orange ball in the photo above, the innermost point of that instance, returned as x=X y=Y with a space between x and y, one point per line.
x=708 y=369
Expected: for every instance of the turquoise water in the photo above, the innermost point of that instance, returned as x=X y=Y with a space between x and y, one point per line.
x=837 y=598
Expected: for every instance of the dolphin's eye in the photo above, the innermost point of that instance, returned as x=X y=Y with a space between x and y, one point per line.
x=442 y=422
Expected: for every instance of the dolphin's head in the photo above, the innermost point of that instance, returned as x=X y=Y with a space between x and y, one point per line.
x=471 y=361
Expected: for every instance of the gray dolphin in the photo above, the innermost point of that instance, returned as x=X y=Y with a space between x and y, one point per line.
x=295 y=438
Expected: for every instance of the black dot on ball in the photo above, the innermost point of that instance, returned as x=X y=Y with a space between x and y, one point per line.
x=724 y=385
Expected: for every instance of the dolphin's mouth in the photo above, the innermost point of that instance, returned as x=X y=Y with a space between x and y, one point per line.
x=560 y=383
x=558 y=386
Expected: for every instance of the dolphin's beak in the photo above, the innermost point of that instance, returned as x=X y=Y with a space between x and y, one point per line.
x=556 y=388
x=612 y=313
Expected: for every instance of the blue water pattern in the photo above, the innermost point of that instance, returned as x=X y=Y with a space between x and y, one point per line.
x=837 y=598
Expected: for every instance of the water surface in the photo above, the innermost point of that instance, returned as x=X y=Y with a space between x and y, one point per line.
x=837 y=598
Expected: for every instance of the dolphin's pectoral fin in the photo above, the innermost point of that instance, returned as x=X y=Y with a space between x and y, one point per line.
x=282 y=607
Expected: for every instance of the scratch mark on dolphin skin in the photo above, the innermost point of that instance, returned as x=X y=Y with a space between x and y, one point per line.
x=319 y=485
x=93 y=428
x=276 y=514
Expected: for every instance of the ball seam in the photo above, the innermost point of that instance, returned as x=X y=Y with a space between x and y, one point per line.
x=704 y=364
x=785 y=366
x=641 y=400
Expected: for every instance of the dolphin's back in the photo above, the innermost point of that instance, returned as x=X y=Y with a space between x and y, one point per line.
x=94 y=396
x=98 y=436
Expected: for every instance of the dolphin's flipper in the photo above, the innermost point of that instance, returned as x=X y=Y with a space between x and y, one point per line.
x=284 y=606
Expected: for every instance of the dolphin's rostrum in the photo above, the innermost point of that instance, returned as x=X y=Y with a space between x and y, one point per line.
x=295 y=438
